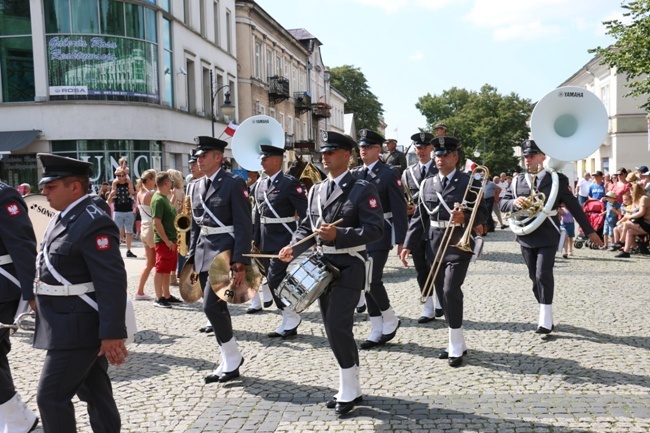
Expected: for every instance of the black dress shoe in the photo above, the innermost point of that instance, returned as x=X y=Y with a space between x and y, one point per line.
x=342 y=408
x=385 y=338
x=369 y=344
x=445 y=355
x=439 y=312
x=455 y=361
x=225 y=377
x=267 y=304
x=331 y=404
x=361 y=309
x=285 y=334
x=207 y=329
x=542 y=330
x=425 y=319
x=253 y=310
x=211 y=378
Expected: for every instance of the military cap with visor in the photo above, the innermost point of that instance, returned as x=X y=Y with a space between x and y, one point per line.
x=422 y=139
x=205 y=143
x=333 y=140
x=368 y=137
x=268 y=150
x=444 y=145
x=529 y=147
x=57 y=167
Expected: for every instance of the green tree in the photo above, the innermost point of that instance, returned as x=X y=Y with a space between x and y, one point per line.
x=485 y=121
x=630 y=54
x=361 y=101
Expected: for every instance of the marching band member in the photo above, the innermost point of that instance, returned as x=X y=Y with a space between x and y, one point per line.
x=436 y=211
x=383 y=320
x=80 y=293
x=17 y=270
x=412 y=179
x=278 y=198
x=344 y=246
x=538 y=248
x=221 y=220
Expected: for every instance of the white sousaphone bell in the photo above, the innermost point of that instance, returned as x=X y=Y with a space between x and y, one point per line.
x=568 y=124
x=252 y=133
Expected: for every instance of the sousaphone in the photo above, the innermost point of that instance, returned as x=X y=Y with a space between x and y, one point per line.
x=568 y=124
x=252 y=133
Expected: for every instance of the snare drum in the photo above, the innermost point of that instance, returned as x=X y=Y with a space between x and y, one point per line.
x=307 y=278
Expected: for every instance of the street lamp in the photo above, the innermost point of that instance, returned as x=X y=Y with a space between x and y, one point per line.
x=227 y=108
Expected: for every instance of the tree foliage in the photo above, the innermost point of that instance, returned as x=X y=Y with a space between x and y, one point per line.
x=485 y=121
x=630 y=54
x=351 y=82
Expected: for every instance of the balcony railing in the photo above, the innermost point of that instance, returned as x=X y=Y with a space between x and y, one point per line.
x=321 y=110
x=303 y=102
x=278 y=89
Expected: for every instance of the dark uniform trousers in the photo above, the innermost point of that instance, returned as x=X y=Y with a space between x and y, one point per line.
x=358 y=204
x=538 y=248
x=455 y=263
x=18 y=241
x=287 y=198
x=387 y=181
x=227 y=199
x=83 y=246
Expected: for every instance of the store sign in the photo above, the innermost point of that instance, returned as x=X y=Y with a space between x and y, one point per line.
x=80 y=66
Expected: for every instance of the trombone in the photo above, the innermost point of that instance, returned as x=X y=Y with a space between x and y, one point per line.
x=464 y=242
x=21 y=323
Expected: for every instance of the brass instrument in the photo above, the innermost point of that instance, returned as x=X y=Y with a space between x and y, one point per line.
x=410 y=205
x=532 y=205
x=20 y=323
x=310 y=175
x=182 y=224
x=464 y=242
x=221 y=282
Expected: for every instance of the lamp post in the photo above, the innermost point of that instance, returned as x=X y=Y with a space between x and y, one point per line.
x=227 y=108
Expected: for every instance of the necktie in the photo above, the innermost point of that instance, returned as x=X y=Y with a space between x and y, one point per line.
x=444 y=182
x=208 y=182
x=268 y=184
x=423 y=172
x=330 y=188
x=365 y=173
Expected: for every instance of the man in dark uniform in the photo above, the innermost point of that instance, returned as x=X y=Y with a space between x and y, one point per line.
x=278 y=199
x=436 y=216
x=80 y=293
x=440 y=129
x=393 y=157
x=17 y=270
x=221 y=220
x=412 y=179
x=344 y=246
x=383 y=320
x=538 y=248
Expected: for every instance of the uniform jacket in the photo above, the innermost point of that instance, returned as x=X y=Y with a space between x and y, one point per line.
x=395 y=159
x=16 y=239
x=288 y=198
x=412 y=178
x=83 y=246
x=227 y=199
x=391 y=194
x=362 y=222
x=546 y=234
x=420 y=227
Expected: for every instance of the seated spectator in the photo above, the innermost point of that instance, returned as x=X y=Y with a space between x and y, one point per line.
x=636 y=223
x=626 y=207
x=597 y=188
x=611 y=214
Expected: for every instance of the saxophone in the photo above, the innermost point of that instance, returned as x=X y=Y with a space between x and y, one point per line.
x=182 y=224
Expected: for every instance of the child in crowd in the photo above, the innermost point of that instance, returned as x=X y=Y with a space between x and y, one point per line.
x=569 y=225
x=612 y=212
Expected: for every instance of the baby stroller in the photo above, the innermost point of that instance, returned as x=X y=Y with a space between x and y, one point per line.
x=593 y=209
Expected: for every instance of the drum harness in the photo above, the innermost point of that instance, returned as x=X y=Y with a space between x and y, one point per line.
x=206 y=230
x=268 y=220
x=325 y=249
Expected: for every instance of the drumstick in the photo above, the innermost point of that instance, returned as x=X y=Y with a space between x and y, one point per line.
x=275 y=256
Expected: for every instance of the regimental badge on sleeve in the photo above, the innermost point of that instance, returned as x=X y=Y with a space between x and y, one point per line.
x=102 y=243
x=13 y=209
x=246 y=194
x=299 y=189
x=399 y=182
x=372 y=202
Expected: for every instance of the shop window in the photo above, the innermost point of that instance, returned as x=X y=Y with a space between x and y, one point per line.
x=111 y=15
x=17 y=69
x=85 y=16
x=14 y=18
x=134 y=21
x=57 y=16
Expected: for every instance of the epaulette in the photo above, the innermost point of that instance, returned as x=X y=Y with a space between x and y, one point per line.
x=361 y=182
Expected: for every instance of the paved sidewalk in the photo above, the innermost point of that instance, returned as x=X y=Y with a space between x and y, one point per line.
x=592 y=376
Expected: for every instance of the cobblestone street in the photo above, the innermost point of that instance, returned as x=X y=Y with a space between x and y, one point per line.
x=591 y=376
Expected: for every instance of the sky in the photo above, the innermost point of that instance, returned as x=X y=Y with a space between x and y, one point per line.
x=409 y=48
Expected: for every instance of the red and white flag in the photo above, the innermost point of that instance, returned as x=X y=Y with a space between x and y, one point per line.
x=469 y=165
x=230 y=129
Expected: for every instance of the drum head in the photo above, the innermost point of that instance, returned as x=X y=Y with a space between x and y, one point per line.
x=40 y=213
x=189 y=285
x=221 y=283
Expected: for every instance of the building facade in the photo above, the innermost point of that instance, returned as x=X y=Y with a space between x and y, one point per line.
x=104 y=79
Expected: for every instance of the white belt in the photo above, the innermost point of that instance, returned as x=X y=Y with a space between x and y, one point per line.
x=443 y=224
x=269 y=220
x=333 y=250
x=207 y=231
x=388 y=215
x=5 y=260
x=41 y=288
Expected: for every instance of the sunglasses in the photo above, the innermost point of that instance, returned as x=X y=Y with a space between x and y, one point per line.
x=121 y=175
